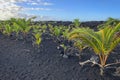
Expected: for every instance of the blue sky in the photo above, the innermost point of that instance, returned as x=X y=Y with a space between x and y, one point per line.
x=85 y=10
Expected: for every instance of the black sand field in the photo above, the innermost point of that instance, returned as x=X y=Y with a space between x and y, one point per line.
x=19 y=60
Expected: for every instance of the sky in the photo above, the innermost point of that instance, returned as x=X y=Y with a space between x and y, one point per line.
x=66 y=10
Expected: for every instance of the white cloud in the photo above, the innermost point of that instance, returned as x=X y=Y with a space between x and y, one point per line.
x=12 y=1
x=46 y=3
x=9 y=8
x=39 y=3
x=34 y=3
x=39 y=17
x=38 y=9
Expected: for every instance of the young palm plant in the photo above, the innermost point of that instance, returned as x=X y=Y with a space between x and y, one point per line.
x=110 y=22
x=1 y=26
x=38 y=39
x=16 y=28
x=76 y=22
x=23 y=25
x=56 y=32
x=37 y=34
x=80 y=45
x=102 y=42
x=7 y=30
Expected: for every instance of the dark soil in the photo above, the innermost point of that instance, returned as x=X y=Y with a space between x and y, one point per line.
x=20 y=61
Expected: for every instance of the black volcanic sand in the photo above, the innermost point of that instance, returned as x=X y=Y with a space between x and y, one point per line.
x=20 y=61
